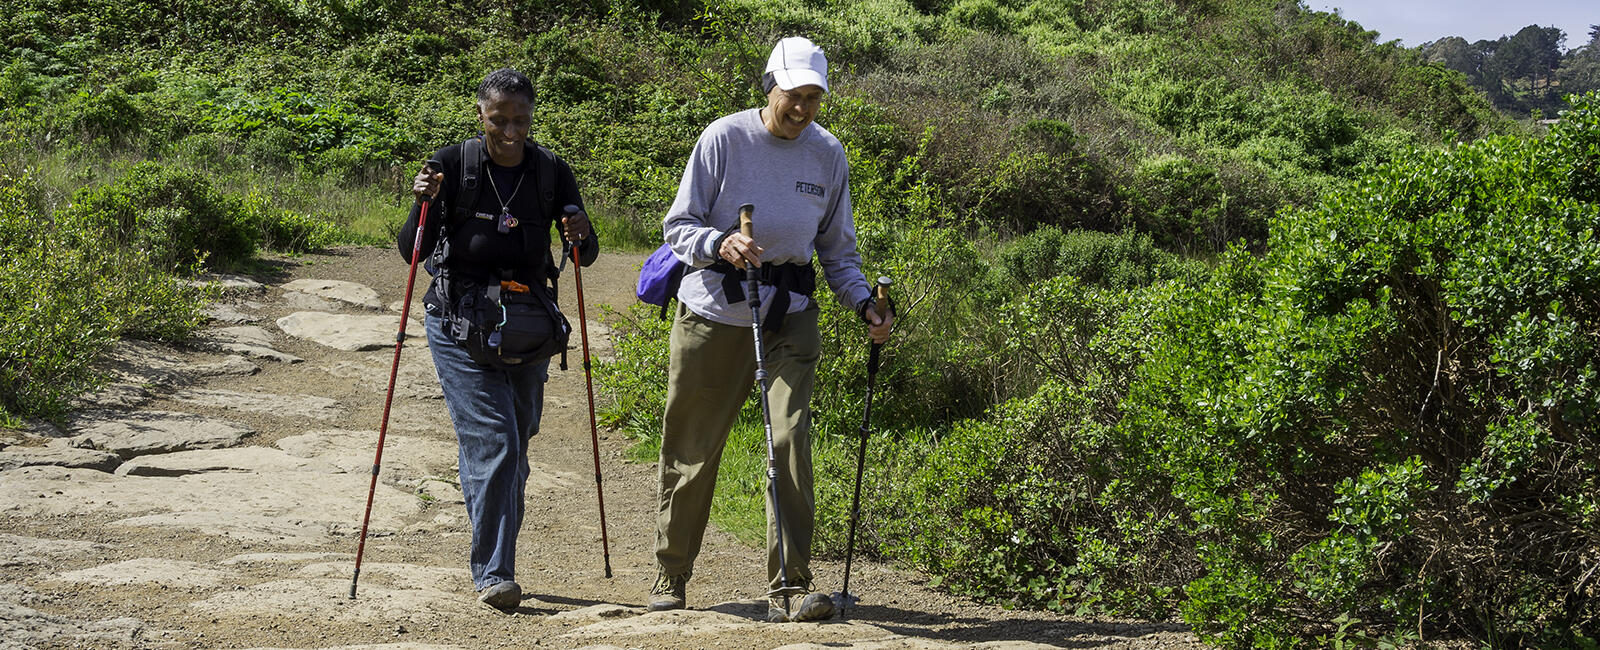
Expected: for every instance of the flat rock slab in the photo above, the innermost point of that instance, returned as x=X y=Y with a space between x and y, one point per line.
x=406 y=459
x=683 y=622
x=133 y=434
x=59 y=456
x=287 y=406
x=238 y=459
x=307 y=302
x=349 y=293
x=248 y=340
x=440 y=491
x=352 y=333
x=258 y=352
x=228 y=283
x=381 y=646
x=430 y=416
x=327 y=599
x=279 y=507
x=415 y=378
x=148 y=571
x=264 y=559
x=394 y=575
x=230 y=314
x=16 y=550
x=23 y=627
x=245 y=334
x=596 y=613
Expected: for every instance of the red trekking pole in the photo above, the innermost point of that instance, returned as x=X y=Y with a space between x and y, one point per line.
x=394 y=369
x=588 y=378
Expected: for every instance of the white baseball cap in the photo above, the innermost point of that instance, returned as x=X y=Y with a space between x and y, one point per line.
x=796 y=61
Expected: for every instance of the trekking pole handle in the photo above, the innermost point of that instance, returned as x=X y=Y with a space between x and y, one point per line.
x=881 y=306
x=880 y=296
x=566 y=212
x=747 y=227
x=430 y=167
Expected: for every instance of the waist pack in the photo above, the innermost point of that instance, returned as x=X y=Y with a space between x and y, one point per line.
x=662 y=274
x=659 y=278
x=509 y=325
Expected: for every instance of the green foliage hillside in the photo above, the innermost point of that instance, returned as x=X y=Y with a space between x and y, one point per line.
x=1204 y=310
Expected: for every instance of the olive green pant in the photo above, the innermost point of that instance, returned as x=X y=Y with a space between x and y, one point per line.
x=712 y=368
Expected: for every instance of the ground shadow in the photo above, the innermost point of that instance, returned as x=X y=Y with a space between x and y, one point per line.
x=950 y=627
x=574 y=603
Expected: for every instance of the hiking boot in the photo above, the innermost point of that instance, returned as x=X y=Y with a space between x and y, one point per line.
x=816 y=606
x=668 y=592
x=776 y=613
x=504 y=596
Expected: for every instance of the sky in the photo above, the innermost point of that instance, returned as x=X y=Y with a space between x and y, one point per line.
x=1415 y=22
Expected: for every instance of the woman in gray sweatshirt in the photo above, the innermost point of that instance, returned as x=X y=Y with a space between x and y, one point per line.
x=795 y=174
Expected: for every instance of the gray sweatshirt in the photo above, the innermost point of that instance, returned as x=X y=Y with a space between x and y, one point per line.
x=801 y=192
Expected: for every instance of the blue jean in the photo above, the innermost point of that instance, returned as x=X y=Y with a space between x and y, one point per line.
x=495 y=412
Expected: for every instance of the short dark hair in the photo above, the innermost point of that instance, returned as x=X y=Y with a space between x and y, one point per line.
x=505 y=81
x=767 y=82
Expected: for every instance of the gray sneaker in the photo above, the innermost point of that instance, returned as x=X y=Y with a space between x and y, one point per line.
x=504 y=596
x=668 y=592
x=816 y=606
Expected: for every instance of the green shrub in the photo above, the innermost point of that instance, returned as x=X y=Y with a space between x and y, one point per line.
x=978 y=14
x=1358 y=422
x=174 y=214
x=108 y=114
x=67 y=297
x=1118 y=262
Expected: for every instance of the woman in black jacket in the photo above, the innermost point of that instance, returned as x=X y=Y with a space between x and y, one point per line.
x=497 y=196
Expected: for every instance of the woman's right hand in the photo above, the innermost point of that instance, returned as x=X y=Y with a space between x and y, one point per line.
x=740 y=250
x=426 y=185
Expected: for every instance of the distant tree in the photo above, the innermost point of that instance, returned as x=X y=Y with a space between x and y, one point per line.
x=1529 y=58
x=1580 y=68
x=1454 y=53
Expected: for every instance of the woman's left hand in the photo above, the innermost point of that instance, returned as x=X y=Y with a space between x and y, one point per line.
x=575 y=227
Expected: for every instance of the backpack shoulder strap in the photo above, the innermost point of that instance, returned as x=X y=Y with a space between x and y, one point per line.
x=471 y=176
x=544 y=162
x=466 y=201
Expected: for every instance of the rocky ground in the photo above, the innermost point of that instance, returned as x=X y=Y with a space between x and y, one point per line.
x=212 y=498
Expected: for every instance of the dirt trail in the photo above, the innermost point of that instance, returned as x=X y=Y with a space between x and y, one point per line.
x=241 y=533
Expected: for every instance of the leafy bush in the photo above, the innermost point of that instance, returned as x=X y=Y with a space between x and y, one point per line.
x=67 y=297
x=1117 y=262
x=173 y=214
x=1381 y=427
x=1359 y=422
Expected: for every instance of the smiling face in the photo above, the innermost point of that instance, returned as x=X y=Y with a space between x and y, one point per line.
x=505 y=118
x=788 y=112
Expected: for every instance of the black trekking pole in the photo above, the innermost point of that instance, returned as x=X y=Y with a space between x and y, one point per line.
x=394 y=370
x=752 y=280
x=881 y=305
x=588 y=378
